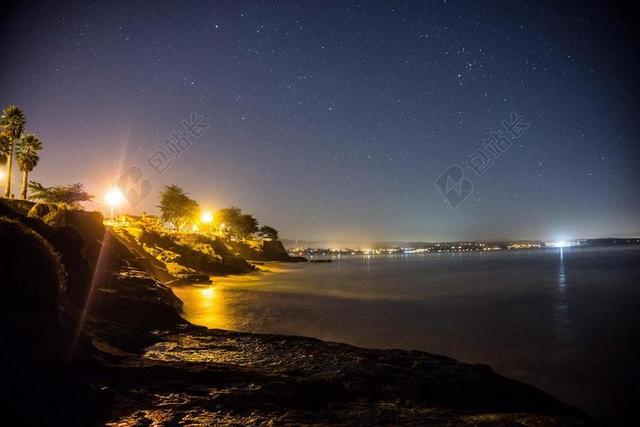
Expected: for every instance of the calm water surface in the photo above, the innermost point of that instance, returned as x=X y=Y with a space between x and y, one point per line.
x=565 y=320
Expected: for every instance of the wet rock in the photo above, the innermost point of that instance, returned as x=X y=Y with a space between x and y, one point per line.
x=208 y=376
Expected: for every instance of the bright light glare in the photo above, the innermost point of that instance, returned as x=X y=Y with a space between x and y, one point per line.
x=114 y=197
x=206 y=217
x=208 y=292
x=3 y=175
x=560 y=244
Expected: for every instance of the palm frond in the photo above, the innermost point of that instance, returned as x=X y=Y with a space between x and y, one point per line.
x=5 y=148
x=12 y=121
x=27 y=152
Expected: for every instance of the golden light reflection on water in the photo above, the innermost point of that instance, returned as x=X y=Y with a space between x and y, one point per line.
x=237 y=302
x=204 y=306
x=212 y=306
x=208 y=293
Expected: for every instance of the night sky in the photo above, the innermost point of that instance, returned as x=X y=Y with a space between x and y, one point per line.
x=333 y=120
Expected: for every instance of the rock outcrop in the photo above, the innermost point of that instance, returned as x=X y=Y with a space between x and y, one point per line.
x=266 y=251
x=181 y=255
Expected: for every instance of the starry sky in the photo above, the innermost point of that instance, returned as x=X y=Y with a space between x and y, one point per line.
x=333 y=120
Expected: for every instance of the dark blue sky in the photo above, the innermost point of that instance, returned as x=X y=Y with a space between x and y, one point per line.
x=332 y=120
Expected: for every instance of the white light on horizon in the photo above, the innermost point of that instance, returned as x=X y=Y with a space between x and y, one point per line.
x=561 y=244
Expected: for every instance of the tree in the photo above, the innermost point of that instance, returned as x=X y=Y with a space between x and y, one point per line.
x=68 y=196
x=247 y=225
x=27 y=158
x=12 y=121
x=268 y=233
x=235 y=223
x=5 y=144
x=227 y=219
x=177 y=207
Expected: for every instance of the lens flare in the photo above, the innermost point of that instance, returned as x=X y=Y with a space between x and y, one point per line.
x=114 y=196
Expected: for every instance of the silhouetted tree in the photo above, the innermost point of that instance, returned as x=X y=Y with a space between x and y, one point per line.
x=235 y=223
x=177 y=207
x=27 y=158
x=68 y=196
x=227 y=219
x=12 y=122
x=268 y=233
x=247 y=225
x=5 y=147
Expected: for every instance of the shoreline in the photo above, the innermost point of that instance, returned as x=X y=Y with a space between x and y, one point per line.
x=137 y=361
x=454 y=315
x=302 y=365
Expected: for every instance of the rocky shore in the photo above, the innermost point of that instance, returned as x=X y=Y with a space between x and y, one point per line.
x=92 y=339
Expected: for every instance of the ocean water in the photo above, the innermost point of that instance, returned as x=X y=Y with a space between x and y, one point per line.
x=565 y=320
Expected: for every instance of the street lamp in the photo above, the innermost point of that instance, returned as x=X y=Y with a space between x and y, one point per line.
x=114 y=197
x=206 y=217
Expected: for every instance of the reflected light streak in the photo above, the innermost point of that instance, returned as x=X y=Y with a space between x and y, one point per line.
x=94 y=282
x=563 y=331
x=204 y=306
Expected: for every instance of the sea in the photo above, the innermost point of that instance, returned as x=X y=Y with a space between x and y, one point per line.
x=566 y=320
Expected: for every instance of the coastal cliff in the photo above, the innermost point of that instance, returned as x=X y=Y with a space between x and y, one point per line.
x=181 y=255
x=94 y=340
x=267 y=251
x=168 y=256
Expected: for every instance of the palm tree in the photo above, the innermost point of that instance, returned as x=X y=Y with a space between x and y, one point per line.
x=5 y=143
x=27 y=158
x=12 y=121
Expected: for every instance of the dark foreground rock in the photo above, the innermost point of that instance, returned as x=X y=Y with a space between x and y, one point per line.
x=132 y=360
x=258 y=379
